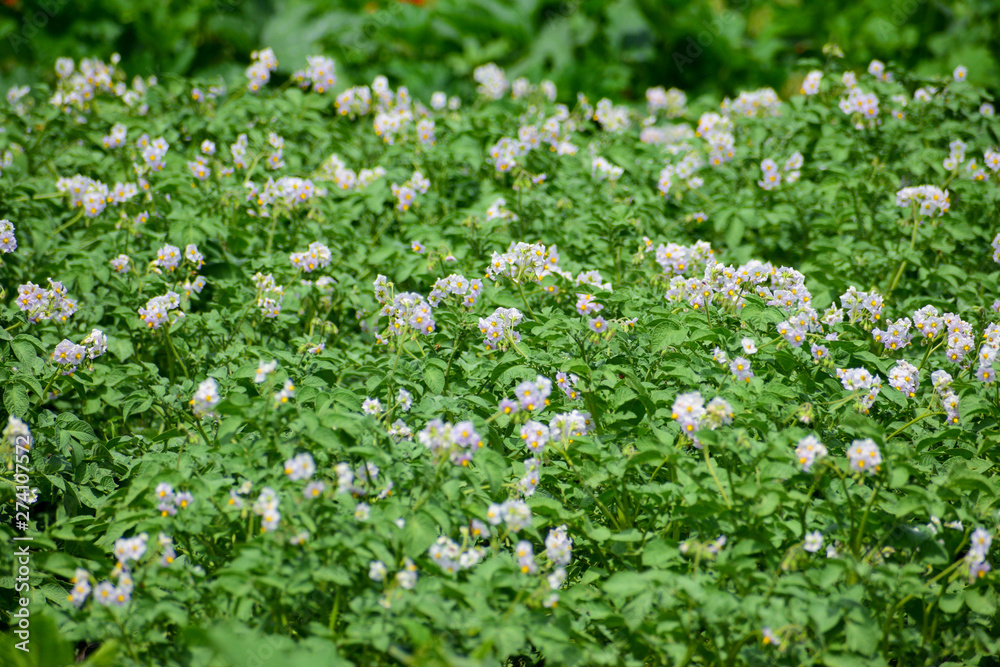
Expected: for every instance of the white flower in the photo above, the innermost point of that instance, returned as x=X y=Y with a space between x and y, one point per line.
x=206 y=398
x=377 y=570
x=264 y=369
x=813 y=541
x=864 y=456
x=300 y=466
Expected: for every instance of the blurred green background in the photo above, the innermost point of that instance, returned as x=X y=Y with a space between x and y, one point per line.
x=603 y=47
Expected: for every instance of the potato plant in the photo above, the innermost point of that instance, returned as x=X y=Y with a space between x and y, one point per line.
x=300 y=370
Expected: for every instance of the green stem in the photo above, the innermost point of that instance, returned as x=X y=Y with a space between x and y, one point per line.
x=597 y=501
x=270 y=236
x=942 y=573
x=851 y=397
x=711 y=470
x=239 y=324
x=847 y=496
x=430 y=489
x=525 y=300
x=930 y=348
x=128 y=642
x=667 y=457
x=902 y=265
x=899 y=430
x=68 y=224
x=454 y=350
x=519 y=350
x=51 y=195
x=170 y=344
x=864 y=517
x=45 y=392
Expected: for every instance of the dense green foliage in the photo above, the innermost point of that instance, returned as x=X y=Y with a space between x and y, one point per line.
x=688 y=530
x=599 y=47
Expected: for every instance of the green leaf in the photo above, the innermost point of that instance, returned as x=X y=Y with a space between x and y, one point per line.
x=15 y=399
x=434 y=379
x=981 y=600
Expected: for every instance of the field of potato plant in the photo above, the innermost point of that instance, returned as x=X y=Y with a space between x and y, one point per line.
x=310 y=371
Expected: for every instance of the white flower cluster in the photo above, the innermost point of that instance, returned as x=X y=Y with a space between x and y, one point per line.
x=860 y=102
x=291 y=190
x=335 y=170
x=44 y=305
x=941 y=381
x=408 y=311
x=94 y=196
x=70 y=355
x=266 y=507
x=760 y=102
x=205 y=398
x=153 y=151
x=425 y=132
x=905 y=377
x=553 y=131
x=716 y=130
x=689 y=410
x=498 y=329
x=522 y=88
x=440 y=101
x=492 y=81
x=973 y=170
x=6 y=159
x=157 y=310
x=389 y=123
x=672 y=137
x=861 y=306
x=601 y=169
x=77 y=87
x=810 y=85
x=406 y=193
x=457 y=442
x=269 y=294
x=525 y=262
x=238 y=150
x=671 y=102
x=319 y=74
x=450 y=557
x=496 y=211
x=864 y=456
x=300 y=467
x=930 y=200
x=514 y=514
x=355 y=101
x=979 y=548
x=809 y=450
x=860 y=380
x=259 y=71
x=317 y=256
x=771 y=178
x=456 y=284
x=611 y=118
x=116 y=137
